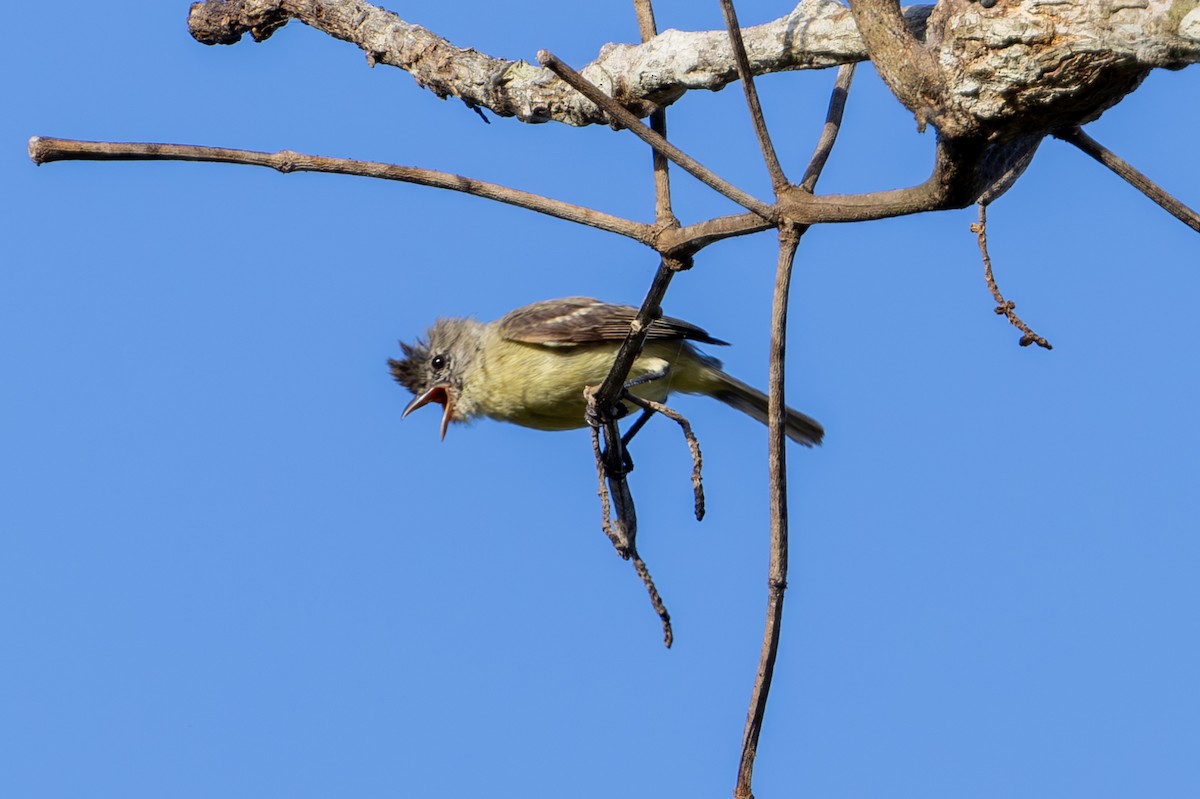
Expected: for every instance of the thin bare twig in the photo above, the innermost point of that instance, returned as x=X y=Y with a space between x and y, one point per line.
x=789 y=240
x=647 y=27
x=640 y=567
x=778 y=179
x=651 y=309
x=692 y=442
x=615 y=462
x=603 y=407
x=622 y=529
x=683 y=242
x=605 y=503
x=829 y=133
x=663 y=215
x=625 y=119
x=1004 y=307
x=1135 y=178
x=44 y=150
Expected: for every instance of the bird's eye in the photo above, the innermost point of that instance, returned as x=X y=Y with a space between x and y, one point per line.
x=438 y=362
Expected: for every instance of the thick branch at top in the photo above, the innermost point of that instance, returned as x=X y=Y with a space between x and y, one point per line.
x=815 y=35
x=1016 y=69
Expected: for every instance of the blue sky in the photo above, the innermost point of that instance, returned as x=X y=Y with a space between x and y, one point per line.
x=230 y=570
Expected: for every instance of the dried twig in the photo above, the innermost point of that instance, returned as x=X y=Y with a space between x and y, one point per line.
x=778 y=179
x=651 y=309
x=663 y=216
x=833 y=124
x=613 y=462
x=692 y=442
x=640 y=567
x=1004 y=307
x=45 y=150
x=621 y=529
x=789 y=240
x=626 y=119
x=684 y=242
x=676 y=242
x=605 y=502
x=1135 y=178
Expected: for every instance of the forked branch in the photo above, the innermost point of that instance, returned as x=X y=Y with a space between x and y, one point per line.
x=621 y=528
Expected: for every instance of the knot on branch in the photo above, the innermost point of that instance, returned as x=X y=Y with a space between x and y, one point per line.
x=1004 y=307
x=1008 y=74
x=288 y=161
x=597 y=415
x=1031 y=338
x=226 y=21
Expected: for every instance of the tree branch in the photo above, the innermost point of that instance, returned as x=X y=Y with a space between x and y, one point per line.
x=683 y=242
x=627 y=120
x=1005 y=308
x=688 y=436
x=833 y=125
x=613 y=462
x=964 y=170
x=1074 y=63
x=1130 y=175
x=663 y=216
x=816 y=34
x=45 y=150
x=907 y=67
x=774 y=170
x=789 y=240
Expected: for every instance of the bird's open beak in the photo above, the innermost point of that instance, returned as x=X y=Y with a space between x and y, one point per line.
x=439 y=394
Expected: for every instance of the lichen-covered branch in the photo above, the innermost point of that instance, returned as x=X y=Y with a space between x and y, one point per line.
x=906 y=65
x=816 y=34
x=1016 y=68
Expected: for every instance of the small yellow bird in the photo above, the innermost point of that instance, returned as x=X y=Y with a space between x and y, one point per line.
x=531 y=366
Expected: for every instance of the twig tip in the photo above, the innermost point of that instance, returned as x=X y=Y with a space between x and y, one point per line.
x=35 y=149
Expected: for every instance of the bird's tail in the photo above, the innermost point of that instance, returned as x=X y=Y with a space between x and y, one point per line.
x=752 y=402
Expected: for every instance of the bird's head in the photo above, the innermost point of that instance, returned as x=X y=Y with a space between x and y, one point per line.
x=433 y=368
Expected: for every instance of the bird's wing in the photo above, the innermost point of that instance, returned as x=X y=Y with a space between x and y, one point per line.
x=583 y=320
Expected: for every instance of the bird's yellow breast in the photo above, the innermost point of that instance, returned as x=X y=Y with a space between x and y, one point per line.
x=542 y=387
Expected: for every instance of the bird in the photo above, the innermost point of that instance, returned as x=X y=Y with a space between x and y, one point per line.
x=531 y=366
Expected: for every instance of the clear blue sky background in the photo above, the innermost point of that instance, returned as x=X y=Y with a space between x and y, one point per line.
x=230 y=570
